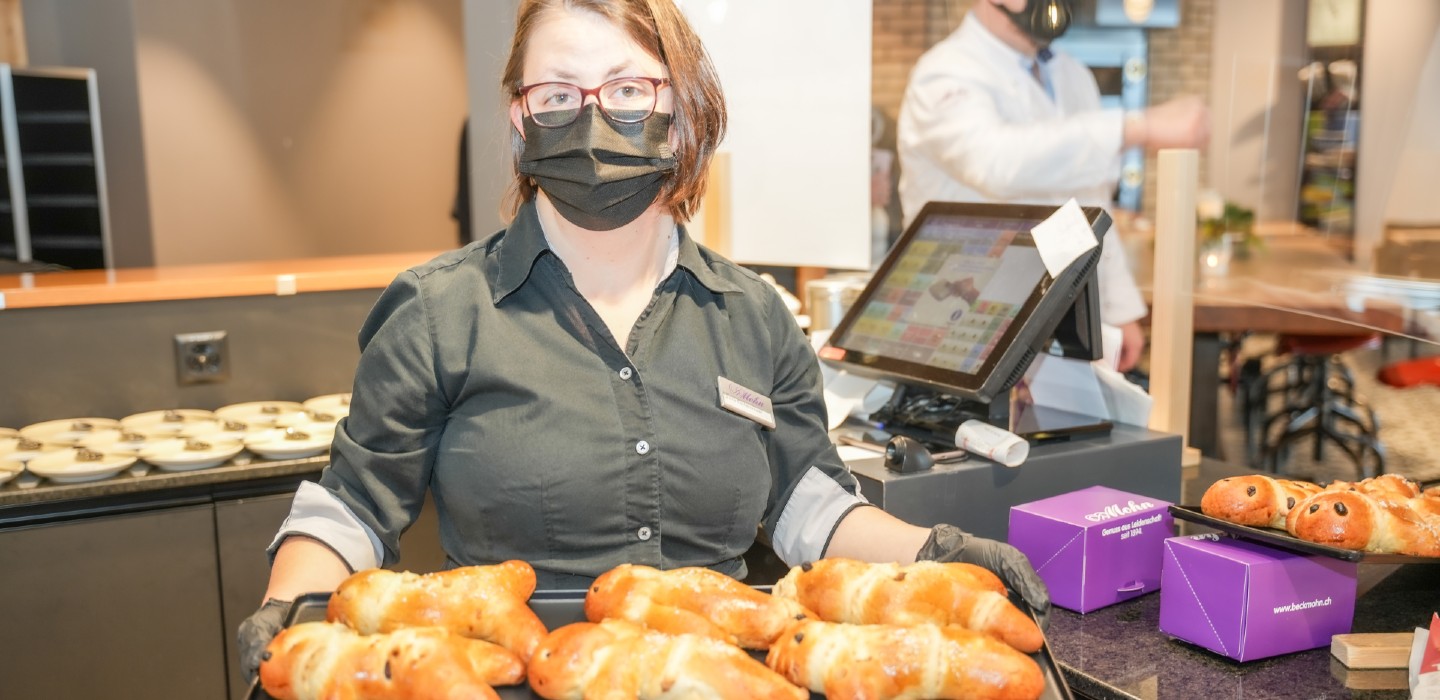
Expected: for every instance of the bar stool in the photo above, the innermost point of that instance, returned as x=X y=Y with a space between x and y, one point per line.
x=1316 y=396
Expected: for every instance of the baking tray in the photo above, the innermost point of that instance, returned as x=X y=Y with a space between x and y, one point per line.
x=1285 y=540
x=560 y=608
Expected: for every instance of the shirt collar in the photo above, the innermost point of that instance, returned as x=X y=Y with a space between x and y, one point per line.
x=524 y=243
x=973 y=27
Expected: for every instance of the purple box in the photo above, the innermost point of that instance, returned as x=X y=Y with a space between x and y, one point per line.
x=1093 y=547
x=1247 y=601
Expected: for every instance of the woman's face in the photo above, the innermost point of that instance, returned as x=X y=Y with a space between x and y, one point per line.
x=586 y=50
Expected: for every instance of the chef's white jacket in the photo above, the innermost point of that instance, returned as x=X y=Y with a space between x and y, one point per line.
x=976 y=126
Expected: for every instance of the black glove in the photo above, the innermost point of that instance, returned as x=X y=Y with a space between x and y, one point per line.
x=257 y=631
x=950 y=543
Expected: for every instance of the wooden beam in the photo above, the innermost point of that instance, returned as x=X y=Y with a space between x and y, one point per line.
x=12 y=34
x=1172 y=307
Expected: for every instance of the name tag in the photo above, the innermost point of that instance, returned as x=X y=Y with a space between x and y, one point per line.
x=744 y=402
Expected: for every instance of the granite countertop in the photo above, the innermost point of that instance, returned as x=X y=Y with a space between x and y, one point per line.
x=23 y=491
x=1119 y=652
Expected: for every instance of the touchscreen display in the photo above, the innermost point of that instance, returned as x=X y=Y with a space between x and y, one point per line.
x=948 y=299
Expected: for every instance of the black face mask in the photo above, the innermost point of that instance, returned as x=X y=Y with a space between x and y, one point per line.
x=600 y=174
x=1039 y=22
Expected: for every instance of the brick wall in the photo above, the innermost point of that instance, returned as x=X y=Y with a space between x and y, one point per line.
x=898 y=39
x=904 y=29
x=1180 y=65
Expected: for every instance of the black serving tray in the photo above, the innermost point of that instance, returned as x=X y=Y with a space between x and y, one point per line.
x=1285 y=540
x=560 y=608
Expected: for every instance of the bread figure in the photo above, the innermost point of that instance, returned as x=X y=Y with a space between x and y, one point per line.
x=884 y=662
x=1355 y=520
x=479 y=602
x=1383 y=486
x=620 y=659
x=691 y=600
x=845 y=590
x=1255 y=501
x=326 y=661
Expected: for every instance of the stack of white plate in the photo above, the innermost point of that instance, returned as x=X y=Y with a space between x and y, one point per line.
x=295 y=442
x=79 y=464
x=185 y=454
x=336 y=405
x=219 y=430
x=267 y=414
x=15 y=451
x=167 y=422
x=68 y=431
x=127 y=442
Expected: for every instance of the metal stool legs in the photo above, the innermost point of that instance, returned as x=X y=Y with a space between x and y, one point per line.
x=1317 y=405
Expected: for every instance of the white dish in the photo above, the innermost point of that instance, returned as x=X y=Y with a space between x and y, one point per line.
x=18 y=450
x=193 y=453
x=337 y=405
x=259 y=413
x=291 y=443
x=169 y=422
x=120 y=441
x=309 y=417
x=79 y=465
x=219 y=430
x=69 y=431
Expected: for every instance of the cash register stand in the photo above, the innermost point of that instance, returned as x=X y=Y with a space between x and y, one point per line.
x=976 y=494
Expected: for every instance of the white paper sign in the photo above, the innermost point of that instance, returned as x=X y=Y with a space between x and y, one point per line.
x=1064 y=236
x=1066 y=384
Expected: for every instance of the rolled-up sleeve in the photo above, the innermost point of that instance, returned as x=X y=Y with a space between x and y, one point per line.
x=384 y=450
x=317 y=513
x=812 y=488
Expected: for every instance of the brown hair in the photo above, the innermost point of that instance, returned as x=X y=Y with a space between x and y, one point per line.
x=658 y=27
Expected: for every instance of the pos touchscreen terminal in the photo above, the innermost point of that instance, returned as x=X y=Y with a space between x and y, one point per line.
x=959 y=309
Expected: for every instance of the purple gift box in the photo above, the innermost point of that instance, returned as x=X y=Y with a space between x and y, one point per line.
x=1093 y=547
x=1247 y=601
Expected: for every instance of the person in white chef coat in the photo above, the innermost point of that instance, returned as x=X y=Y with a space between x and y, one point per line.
x=991 y=114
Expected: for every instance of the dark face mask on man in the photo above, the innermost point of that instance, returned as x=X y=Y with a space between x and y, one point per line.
x=1042 y=20
x=600 y=174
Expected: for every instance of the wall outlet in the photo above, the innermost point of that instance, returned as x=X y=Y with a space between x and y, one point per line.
x=201 y=357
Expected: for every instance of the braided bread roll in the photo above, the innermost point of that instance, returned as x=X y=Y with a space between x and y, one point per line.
x=845 y=590
x=1256 y=500
x=326 y=661
x=691 y=600
x=1385 y=485
x=479 y=602
x=881 y=662
x=620 y=659
x=1355 y=520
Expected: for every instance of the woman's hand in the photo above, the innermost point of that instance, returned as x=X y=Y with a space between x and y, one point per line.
x=950 y=543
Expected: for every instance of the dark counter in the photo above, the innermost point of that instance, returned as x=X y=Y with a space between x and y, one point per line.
x=1119 y=652
x=244 y=476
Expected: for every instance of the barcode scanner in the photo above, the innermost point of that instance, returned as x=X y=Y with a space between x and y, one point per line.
x=907 y=455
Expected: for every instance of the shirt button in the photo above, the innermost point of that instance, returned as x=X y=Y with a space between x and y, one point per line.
x=643 y=533
x=642 y=447
x=625 y=373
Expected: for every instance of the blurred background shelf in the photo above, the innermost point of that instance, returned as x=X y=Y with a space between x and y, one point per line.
x=53 y=206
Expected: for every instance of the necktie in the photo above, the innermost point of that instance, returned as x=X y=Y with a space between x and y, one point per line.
x=1039 y=74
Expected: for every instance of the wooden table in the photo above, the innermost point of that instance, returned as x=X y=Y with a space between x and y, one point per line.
x=1297 y=284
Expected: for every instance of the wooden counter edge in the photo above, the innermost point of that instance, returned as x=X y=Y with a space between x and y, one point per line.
x=281 y=278
x=1373 y=649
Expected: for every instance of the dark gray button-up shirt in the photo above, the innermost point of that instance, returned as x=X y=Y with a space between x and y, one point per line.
x=487 y=378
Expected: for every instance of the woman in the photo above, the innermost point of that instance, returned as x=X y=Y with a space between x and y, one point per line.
x=562 y=387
